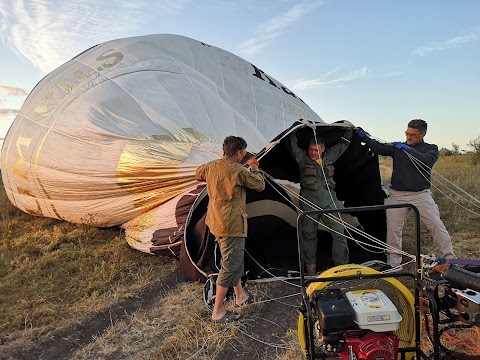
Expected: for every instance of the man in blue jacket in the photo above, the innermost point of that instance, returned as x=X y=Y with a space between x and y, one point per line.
x=411 y=184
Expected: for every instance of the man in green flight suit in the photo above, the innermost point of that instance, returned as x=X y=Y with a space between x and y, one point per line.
x=317 y=187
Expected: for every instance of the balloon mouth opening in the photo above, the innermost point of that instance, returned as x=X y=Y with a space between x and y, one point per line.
x=272 y=245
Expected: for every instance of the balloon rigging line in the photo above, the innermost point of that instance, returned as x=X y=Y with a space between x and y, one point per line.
x=413 y=159
x=307 y=123
x=300 y=198
x=358 y=231
x=383 y=246
x=272 y=144
x=330 y=191
x=279 y=298
x=418 y=163
x=338 y=214
x=456 y=186
x=279 y=346
x=268 y=272
x=425 y=167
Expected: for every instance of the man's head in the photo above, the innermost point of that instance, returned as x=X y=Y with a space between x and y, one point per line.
x=316 y=148
x=417 y=128
x=234 y=147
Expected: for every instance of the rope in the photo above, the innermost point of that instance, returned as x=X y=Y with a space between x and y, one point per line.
x=334 y=202
x=383 y=246
x=268 y=272
x=277 y=346
x=312 y=205
x=276 y=299
x=428 y=168
x=444 y=178
x=415 y=161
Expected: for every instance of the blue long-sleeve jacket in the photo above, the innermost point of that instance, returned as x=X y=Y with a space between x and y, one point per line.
x=406 y=176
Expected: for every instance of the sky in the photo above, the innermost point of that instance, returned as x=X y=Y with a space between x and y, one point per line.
x=376 y=63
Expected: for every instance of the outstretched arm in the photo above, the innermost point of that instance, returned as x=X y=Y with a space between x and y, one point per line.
x=297 y=152
x=429 y=158
x=377 y=147
x=338 y=149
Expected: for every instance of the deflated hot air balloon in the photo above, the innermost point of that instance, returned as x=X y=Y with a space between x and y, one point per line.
x=113 y=136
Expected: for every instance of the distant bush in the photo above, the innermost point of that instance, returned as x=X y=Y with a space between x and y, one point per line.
x=475 y=145
x=445 y=152
x=456 y=149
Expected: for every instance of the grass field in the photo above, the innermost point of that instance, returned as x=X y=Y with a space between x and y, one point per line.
x=82 y=291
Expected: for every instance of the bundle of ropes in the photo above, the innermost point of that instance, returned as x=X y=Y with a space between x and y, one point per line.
x=375 y=245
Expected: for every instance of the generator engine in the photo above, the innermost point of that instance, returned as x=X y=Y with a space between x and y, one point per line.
x=357 y=325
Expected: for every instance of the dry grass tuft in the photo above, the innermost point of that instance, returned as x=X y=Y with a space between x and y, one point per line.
x=53 y=274
x=176 y=326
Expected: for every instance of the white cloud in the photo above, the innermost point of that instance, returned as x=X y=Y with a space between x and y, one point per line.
x=448 y=44
x=270 y=29
x=10 y=90
x=5 y=112
x=396 y=73
x=331 y=78
x=48 y=33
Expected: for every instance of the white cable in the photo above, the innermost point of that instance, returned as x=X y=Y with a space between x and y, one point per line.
x=278 y=298
x=268 y=272
x=383 y=245
x=267 y=149
x=280 y=346
x=381 y=248
x=215 y=255
x=416 y=161
x=444 y=178
x=432 y=171
x=334 y=201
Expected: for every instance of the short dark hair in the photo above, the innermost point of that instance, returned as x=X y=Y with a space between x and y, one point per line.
x=232 y=144
x=319 y=141
x=418 y=124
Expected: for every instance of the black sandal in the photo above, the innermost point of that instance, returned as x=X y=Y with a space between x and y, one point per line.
x=229 y=316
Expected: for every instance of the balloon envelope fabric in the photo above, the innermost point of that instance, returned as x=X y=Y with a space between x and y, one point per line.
x=114 y=134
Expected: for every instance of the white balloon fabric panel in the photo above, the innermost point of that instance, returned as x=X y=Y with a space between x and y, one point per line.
x=121 y=128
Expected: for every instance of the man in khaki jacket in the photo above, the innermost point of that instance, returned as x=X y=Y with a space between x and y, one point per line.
x=227 y=181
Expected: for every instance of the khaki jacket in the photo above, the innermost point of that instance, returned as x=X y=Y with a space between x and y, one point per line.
x=227 y=181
